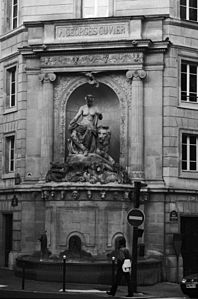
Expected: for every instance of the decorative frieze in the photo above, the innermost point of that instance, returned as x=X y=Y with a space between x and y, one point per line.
x=94 y=59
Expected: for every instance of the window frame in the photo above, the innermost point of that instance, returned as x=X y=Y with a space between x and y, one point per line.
x=109 y=13
x=15 y=14
x=187 y=11
x=9 y=153
x=8 y=84
x=188 y=173
x=187 y=104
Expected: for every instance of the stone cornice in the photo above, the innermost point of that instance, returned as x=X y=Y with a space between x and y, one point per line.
x=95 y=47
x=102 y=19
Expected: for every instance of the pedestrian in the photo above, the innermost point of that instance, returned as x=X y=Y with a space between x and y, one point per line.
x=122 y=255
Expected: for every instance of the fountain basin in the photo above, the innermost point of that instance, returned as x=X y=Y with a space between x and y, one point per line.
x=96 y=272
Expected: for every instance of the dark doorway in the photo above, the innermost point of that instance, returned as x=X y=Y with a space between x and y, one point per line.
x=189 y=250
x=75 y=244
x=7 y=221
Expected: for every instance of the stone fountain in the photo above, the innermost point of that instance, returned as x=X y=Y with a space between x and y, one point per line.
x=87 y=199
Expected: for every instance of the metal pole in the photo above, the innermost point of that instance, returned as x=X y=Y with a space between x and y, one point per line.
x=113 y=270
x=64 y=268
x=134 y=259
x=23 y=276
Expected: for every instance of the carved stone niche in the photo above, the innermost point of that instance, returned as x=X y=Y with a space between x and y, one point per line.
x=69 y=93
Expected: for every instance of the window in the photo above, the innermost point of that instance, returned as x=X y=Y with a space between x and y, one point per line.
x=11 y=87
x=95 y=8
x=189 y=82
x=9 y=153
x=12 y=14
x=189 y=152
x=188 y=10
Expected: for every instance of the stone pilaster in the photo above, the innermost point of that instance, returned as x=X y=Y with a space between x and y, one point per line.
x=136 y=124
x=46 y=122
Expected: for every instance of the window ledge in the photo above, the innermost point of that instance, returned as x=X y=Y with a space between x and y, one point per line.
x=189 y=175
x=12 y=32
x=10 y=110
x=10 y=175
x=187 y=105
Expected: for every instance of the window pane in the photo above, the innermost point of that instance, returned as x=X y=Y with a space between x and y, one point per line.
x=193 y=3
x=193 y=153
x=193 y=139
x=184 y=67
x=193 y=14
x=12 y=104
x=183 y=12
x=192 y=165
x=14 y=23
x=183 y=82
x=184 y=153
x=184 y=96
x=184 y=138
x=193 y=69
x=193 y=83
x=183 y=2
x=184 y=165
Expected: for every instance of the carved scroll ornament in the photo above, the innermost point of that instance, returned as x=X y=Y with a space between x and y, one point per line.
x=136 y=74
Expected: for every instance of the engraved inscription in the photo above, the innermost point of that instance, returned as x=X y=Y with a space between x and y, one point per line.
x=92 y=31
x=97 y=59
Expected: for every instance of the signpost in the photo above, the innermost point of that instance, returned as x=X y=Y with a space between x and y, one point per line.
x=135 y=218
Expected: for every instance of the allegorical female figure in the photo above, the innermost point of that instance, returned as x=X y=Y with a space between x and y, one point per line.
x=83 y=128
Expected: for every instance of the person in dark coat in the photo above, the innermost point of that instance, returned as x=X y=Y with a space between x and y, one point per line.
x=123 y=253
x=43 y=241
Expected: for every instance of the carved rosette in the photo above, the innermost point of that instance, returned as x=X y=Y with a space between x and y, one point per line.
x=135 y=74
x=47 y=77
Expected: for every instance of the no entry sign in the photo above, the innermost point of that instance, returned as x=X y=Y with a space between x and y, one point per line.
x=135 y=217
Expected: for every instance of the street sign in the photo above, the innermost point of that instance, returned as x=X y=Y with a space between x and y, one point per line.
x=135 y=217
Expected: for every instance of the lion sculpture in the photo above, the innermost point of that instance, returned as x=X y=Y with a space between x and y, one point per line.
x=103 y=143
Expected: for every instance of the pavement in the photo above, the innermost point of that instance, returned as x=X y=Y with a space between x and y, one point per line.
x=12 y=286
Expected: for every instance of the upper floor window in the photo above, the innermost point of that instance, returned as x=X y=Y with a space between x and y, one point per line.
x=95 y=8
x=188 y=10
x=189 y=152
x=189 y=82
x=9 y=153
x=11 y=87
x=12 y=14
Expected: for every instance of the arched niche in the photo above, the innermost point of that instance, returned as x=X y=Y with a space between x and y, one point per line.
x=107 y=102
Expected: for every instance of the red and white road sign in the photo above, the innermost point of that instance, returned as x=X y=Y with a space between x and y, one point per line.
x=135 y=217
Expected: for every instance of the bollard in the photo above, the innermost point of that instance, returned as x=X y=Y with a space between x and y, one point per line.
x=113 y=270
x=64 y=269
x=23 y=276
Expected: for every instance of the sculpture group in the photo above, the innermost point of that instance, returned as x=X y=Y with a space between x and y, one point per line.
x=88 y=147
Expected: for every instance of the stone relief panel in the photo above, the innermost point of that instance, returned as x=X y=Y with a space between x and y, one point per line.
x=73 y=219
x=65 y=85
x=92 y=59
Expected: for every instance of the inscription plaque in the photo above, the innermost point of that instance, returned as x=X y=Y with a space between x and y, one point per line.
x=93 y=31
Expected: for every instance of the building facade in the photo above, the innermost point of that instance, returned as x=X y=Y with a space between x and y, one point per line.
x=139 y=60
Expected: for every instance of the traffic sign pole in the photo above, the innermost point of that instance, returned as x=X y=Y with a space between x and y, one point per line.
x=135 y=218
x=134 y=259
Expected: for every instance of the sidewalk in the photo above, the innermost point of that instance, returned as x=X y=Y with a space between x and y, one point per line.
x=11 y=287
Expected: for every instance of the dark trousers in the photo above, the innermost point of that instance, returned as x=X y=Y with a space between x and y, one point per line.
x=118 y=278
